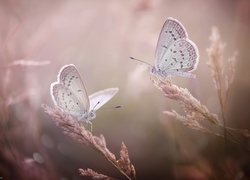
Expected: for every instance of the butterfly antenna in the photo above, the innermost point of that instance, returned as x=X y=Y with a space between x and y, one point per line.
x=140 y=61
x=106 y=107
x=115 y=107
x=96 y=105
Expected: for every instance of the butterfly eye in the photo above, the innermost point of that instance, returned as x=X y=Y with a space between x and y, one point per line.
x=92 y=114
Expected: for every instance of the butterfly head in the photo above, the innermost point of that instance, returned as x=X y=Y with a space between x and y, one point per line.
x=92 y=114
x=152 y=70
x=87 y=116
x=156 y=71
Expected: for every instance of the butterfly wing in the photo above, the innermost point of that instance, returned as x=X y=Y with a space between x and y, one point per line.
x=181 y=58
x=171 y=32
x=64 y=98
x=70 y=77
x=99 y=98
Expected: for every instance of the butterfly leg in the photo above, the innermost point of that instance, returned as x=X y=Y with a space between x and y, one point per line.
x=85 y=126
x=88 y=122
x=91 y=126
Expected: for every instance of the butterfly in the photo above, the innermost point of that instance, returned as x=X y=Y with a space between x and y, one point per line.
x=175 y=54
x=70 y=95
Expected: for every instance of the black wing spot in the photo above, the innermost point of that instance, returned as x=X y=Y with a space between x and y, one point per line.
x=79 y=90
x=174 y=59
x=166 y=60
x=165 y=46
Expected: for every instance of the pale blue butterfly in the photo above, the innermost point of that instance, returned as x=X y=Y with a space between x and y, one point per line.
x=69 y=94
x=175 y=54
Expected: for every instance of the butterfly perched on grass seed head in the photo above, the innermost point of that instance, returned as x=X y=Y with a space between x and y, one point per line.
x=70 y=95
x=175 y=54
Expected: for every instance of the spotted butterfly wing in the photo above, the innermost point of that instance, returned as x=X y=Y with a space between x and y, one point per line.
x=66 y=100
x=69 y=92
x=171 y=31
x=70 y=77
x=99 y=98
x=180 y=59
x=175 y=53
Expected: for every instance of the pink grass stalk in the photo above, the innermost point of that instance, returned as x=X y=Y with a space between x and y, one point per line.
x=27 y=63
x=195 y=111
x=77 y=131
x=230 y=77
x=93 y=174
x=215 y=62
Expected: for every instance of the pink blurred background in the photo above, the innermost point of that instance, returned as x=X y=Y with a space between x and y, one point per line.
x=98 y=37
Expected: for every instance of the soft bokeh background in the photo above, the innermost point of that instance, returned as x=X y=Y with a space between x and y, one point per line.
x=98 y=37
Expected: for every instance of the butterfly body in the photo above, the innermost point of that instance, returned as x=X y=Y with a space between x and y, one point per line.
x=70 y=95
